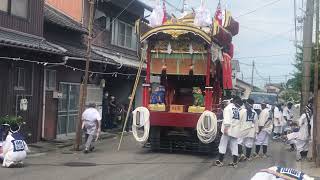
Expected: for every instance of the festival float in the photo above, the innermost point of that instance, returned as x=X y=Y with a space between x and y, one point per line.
x=188 y=68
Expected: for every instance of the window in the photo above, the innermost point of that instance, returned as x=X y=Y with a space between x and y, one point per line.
x=123 y=35
x=4 y=5
x=50 y=80
x=102 y=20
x=17 y=8
x=20 y=80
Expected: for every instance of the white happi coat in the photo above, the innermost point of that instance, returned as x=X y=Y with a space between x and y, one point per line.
x=231 y=119
x=264 y=121
x=278 y=115
x=14 y=149
x=303 y=133
x=288 y=113
x=287 y=172
x=248 y=123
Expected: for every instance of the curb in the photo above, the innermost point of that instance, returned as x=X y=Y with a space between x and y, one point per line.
x=43 y=150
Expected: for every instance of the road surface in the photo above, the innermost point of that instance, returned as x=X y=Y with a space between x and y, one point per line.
x=135 y=163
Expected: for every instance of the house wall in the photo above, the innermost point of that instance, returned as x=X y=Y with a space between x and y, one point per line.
x=51 y=114
x=10 y=97
x=32 y=25
x=71 y=8
x=103 y=37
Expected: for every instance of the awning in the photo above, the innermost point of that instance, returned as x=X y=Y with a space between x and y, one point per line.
x=122 y=59
x=27 y=41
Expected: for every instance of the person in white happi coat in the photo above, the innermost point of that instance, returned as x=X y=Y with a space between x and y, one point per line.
x=248 y=119
x=230 y=129
x=14 y=148
x=303 y=136
x=263 y=130
x=277 y=122
x=91 y=124
x=280 y=173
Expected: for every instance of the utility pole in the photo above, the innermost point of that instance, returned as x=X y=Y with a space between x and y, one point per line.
x=183 y=6
x=295 y=24
x=307 y=52
x=83 y=86
x=316 y=120
x=252 y=71
x=269 y=80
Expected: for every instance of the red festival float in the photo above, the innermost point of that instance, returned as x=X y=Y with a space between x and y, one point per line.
x=188 y=67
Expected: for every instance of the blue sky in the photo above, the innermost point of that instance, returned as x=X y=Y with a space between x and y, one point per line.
x=268 y=31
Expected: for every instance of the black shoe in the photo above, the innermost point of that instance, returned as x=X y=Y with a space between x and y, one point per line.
x=86 y=151
x=91 y=148
x=219 y=163
x=233 y=164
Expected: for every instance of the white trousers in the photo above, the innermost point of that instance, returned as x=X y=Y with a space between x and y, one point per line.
x=246 y=141
x=277 y=129
x=231 y=141
x=302 y=145
x=262 y=138
x=13 y=157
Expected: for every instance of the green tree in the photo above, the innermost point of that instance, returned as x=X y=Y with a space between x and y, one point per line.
x=295 y=83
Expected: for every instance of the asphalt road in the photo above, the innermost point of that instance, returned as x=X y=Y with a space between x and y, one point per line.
x=135 y=163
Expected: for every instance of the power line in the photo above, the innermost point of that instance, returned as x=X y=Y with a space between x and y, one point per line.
x=265 y=79
x=256 y=21
x=263 y=56
x=277 y=35
x=261 y=7
x=269 y=64
x=173 y=6
x=265 y=32
x=114 y=19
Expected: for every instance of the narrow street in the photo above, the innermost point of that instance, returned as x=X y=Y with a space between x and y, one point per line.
x=134 y=162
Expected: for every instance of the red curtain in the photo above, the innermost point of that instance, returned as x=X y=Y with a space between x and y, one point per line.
x=227 y=71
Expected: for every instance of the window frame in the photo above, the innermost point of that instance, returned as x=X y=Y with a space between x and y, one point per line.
x=107 y=20
x=116 y=35
x=48 y=75
x=8 y=12
x=17 y=81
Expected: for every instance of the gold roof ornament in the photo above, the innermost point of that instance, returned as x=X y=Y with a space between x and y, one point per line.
x=175 y=27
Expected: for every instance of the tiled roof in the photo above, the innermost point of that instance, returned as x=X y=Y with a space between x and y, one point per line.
x=121 y=59
x=80 y=52
x=51 y=15
x=14 y=38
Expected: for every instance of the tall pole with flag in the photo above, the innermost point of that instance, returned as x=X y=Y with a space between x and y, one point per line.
x=164 y=12
x=218 y=14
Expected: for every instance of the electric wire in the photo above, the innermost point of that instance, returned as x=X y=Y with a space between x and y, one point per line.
x=114 y=19
x=258 y=8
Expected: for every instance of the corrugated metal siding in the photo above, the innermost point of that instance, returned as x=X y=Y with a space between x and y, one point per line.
x=32 y=25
